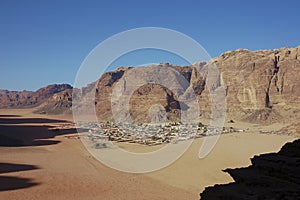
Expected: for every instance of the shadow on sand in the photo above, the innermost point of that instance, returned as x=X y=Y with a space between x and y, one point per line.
x=10 y=115
x=10 y=167
x=14 y=132
x=28 y=135
x=13 y=182
x=10 y=120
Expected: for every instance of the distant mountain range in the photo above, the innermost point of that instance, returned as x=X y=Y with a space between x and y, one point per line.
x=261 y=86
x=42 y=97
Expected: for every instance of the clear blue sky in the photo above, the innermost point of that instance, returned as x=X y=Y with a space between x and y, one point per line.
x=44 y=42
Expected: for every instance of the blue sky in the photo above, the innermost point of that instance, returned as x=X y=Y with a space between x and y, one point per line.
x=45 y=42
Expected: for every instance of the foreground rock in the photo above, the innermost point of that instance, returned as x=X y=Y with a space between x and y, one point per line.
x=271 y=176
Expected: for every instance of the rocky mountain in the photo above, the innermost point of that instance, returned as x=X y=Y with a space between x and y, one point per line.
x=58 y=103
x=271 y=176
x=260 y=86
x=29 y=99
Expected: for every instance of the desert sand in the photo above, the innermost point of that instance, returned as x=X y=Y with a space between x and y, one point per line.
x=50 y=165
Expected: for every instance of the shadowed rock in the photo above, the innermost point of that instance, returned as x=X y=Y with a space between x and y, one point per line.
x=271 y=176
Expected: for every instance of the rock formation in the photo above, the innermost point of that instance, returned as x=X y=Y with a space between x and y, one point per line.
x=260 y=82
x=271 y=176
x=59 y=103
x=261 y=86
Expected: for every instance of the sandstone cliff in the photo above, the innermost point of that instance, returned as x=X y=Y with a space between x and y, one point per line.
x=262 y=84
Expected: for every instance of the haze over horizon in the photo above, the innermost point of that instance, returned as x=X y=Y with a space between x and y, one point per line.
x=45 y=42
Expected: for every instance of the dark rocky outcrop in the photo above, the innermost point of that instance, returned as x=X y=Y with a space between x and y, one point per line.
x=271 y=176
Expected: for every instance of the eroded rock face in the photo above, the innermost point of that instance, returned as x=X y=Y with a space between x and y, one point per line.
x=257 y=81
x=271 y=176
x=147 y=96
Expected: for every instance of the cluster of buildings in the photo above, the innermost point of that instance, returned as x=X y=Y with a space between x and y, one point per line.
x=148 y=134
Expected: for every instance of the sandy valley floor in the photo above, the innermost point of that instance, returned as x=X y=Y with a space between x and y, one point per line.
x=50 y=165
